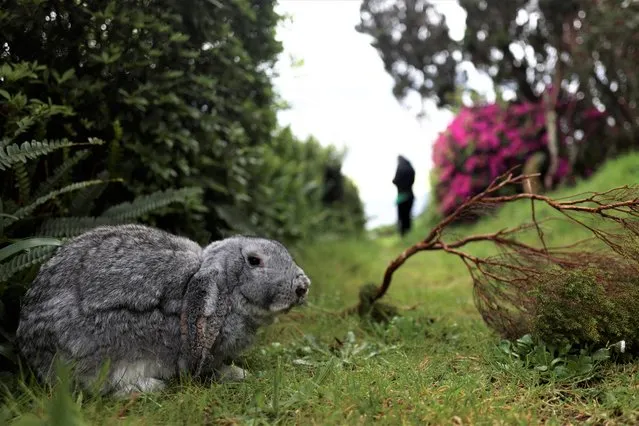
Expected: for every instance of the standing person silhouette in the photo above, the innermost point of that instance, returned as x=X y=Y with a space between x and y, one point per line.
x=404 y=179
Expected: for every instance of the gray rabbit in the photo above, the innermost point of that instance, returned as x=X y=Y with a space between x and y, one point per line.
x=153 y=305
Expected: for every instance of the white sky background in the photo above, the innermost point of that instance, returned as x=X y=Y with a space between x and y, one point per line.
x=343 y=96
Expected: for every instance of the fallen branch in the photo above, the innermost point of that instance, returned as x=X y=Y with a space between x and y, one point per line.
x=504 y=279
x=434 y=239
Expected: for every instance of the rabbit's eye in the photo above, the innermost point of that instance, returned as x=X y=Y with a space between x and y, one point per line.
x=254 y=261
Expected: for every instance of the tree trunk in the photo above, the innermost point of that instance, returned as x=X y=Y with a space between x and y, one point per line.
x=550 y=102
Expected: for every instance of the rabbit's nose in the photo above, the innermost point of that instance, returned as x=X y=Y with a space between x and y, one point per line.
x=301 y=290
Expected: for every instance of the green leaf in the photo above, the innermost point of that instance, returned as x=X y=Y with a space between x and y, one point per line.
x=15 y=153
x=60 y=173
x=25 y=260
x=23 y=182
x=179 y=37
x=27 y=244
x=27 y=210
x=65 y=227
x=148 y=203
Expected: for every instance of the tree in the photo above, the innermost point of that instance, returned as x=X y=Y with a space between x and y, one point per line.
x=520 y=44
x=412 y=39
x=414 y=33
x=543 y=51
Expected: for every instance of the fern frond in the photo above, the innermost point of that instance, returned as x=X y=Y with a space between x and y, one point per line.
x=27 y=210
x=19 y=153
x=23 y=183
x=26 y=244
x=67 y=227
x=25 y=260
x=60 y=173
x=82 y=202
x=148 y=203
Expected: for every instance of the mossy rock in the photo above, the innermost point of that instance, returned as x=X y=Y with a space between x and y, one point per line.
x=597 y=305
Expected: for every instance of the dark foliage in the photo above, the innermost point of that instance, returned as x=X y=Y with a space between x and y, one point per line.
x=181 y=91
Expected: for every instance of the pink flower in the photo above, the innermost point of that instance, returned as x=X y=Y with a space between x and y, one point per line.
x=459 y=134
x=462 y=185
x=496 y=165
x=488 y=140
x=446 y=172
x=473 y=163
x=592 y=113
x=484 y=141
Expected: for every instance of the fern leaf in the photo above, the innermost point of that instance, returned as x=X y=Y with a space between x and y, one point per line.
x=60 y=173
x=148 y=203
x=67 y=227
x=27 y=210
x=25 y=260
x=23 y=183
x=26 y=244
x=82 y=202
x=19 y=153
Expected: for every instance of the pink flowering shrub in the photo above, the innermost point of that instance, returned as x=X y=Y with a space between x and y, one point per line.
x=485 y=141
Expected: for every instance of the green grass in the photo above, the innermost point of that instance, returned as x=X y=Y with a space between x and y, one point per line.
x=437 y=364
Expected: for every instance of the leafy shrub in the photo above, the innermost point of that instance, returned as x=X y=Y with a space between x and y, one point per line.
x=285 y=197
x=180 y=90
x=592 y=306
x=483 y=142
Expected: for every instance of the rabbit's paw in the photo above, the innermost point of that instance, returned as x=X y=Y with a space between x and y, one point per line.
x=141 y=385
x=231 y=373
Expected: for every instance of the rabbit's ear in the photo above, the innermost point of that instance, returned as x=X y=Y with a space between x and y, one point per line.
x=202 y=316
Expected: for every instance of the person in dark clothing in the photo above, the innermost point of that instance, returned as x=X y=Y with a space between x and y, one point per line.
x=404 y=179
x=333 y=184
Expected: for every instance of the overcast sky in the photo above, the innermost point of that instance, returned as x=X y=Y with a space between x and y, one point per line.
x=342 y=95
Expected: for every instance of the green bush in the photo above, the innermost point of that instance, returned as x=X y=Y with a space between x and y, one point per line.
x=181 y=93
x=591 y=306
x=180 y=90
x=285 y=195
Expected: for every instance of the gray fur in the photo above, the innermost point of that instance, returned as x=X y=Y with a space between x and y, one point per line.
x=152 y=305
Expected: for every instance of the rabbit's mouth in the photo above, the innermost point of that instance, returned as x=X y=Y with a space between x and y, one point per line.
x=272 y=306
x=286 y=305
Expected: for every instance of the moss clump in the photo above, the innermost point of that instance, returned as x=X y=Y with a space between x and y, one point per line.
x=377 y=311
x=596 y=305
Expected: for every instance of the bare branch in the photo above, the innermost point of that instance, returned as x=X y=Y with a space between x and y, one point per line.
x=502 y=283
